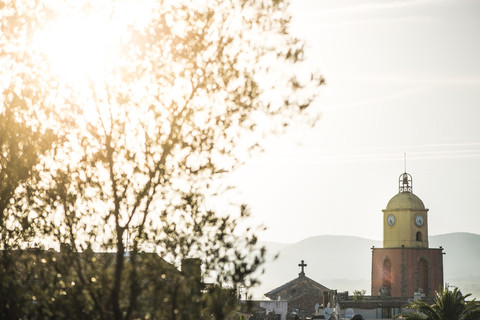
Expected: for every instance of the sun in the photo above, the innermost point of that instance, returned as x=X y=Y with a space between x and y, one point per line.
x=84 y=42
x=83 y=45
x=79 y=47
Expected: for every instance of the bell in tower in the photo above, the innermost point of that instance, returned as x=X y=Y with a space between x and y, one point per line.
x=405 y=182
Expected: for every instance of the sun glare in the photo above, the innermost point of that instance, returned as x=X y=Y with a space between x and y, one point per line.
x=85 y=44
x=78 y=47
x=82 y=47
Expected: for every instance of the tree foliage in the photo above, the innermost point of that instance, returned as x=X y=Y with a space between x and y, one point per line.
x=359 y=295
x=117 y=149
x=449 y=305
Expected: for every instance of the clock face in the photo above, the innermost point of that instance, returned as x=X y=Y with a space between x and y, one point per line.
x=391 y=220
x=419 y=220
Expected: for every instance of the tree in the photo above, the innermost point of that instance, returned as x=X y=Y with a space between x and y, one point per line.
x=359 y=295
x=166 y=97
x=24 y=146
x=449 y=305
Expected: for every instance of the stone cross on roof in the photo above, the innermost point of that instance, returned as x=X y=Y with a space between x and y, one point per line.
x=302 y=265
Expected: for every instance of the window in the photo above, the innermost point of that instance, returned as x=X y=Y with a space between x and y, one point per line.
x=419 y=236
x=386 y=313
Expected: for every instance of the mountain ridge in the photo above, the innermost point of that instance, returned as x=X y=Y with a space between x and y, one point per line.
x=350 y=236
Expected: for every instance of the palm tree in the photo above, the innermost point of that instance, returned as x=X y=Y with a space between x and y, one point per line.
x=449 y=305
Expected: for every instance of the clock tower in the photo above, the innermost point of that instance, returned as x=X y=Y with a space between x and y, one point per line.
x=405 y=218
x=406 y=264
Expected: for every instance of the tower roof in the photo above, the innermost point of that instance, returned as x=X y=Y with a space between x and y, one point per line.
x=405 y=200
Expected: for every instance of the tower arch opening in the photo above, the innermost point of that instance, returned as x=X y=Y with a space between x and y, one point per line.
x=419 y=236
x=387 y=276
x=422 y=275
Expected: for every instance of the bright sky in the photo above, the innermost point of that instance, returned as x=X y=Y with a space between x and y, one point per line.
x=402 y=77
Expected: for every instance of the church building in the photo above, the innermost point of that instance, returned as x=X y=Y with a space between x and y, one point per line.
x=406 y=264
x=304 y=295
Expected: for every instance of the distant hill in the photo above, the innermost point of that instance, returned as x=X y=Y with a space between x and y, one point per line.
x=344 y=262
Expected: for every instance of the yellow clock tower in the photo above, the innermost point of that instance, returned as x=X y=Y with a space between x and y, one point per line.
x=405 y=220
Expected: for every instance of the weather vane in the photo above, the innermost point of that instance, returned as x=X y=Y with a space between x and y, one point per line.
x=405 y=179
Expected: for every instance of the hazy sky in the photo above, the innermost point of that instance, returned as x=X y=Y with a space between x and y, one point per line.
x=402 y=76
